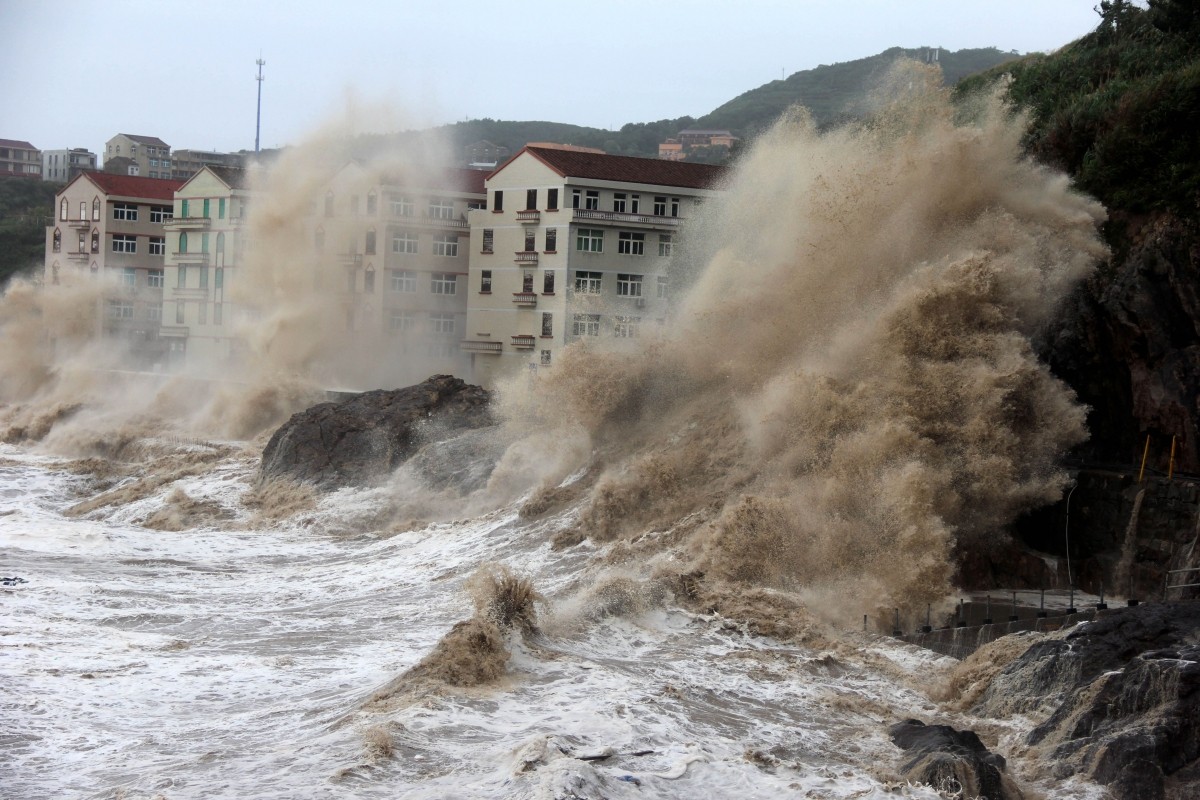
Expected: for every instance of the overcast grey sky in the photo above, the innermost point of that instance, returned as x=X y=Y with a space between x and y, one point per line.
x=73 y=74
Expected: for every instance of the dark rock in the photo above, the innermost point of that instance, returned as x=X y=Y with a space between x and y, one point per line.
x=1122 y=694
x=952 y=761
x=361 y=440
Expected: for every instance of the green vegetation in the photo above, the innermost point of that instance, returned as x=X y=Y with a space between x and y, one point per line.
x=26 y=208
x=1120 y=108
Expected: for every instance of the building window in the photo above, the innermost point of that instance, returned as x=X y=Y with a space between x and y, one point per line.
x=547 y=323
x=82 y=242
x=488 y=239
x=62 y=209
x=629 y=285
x=158 y=245
x=485 y=281
x=369 y=281
x=441 y=208
x=635 y=203
x=181 y=277
x=95 y=210
x=551 y=240
x=369 y=247
x=219 y=278
x=531 y=199
x=403 y=207
x=404 y=242
x=660 y=206
x=626 y=327
x=161 y=214
x=154 y=279
x=124 y=244
x=183 y=243
x=663 y=287
x=401 y=321
x=443 y=283
x=221 y=208
x=498 y=201
x=57 y=240
x=154 y=313
x=204 y=277
x=120 y=309
x=674 y=206
x=587 y=282
x=179 y=312
x=96 y=240
x=218 y=313
x=619 y=203
x=590 y=240
x=548 y=282
x=221 y=249
x=329 y=204
x=545 y=358
x=207 y=208
x=83 y=211
x=442 y=324
x=665 y=245
x=527 y=282
x=129 y=278
x=592 y=200
x=631 y=244
x=403 y=281
x=530 y=244
x=552 y=199
x=576 y=194
x=445 y=245
x=585 y=325
x=204 y=243
x=371 y=204
x=183 y=208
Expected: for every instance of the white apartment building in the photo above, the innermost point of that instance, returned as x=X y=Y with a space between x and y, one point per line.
x=110 y=227
x=204 y=249
x=574 y=245
x=19 y=157
x=150 y=156
x=63 y=165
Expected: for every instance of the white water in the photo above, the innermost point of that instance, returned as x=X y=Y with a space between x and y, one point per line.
x=220 y=663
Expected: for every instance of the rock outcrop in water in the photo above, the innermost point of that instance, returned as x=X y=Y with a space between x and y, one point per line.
x=952 y=761
x=1122 y=695
x=360 y=441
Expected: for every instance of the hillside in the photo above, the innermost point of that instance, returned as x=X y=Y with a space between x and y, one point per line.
x=1119 y=110
x=26 y=208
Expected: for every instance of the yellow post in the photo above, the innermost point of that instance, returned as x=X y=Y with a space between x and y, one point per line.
x=1145 y=452
x=1171 y=463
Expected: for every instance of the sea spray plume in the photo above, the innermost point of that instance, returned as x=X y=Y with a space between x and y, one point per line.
x=848 y=392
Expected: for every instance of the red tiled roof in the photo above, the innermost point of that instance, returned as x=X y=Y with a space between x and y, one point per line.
x=233 y=177
x=453 y=179
x=153 y=140
x=134 y=185
x=16 y=143
x=573 y=164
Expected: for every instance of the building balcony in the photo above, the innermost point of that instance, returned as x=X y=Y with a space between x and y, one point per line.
x=79 y=256
x=523 y=341
x=188 y=224
x=529 y=215
x=526 y=257
x=81 y=223
x=174 y=331
x=190 y=294
x=190 y=258
x=525 y=298
x=595 y=215
x=481 y=347
x=435 y=222
x=350 y=259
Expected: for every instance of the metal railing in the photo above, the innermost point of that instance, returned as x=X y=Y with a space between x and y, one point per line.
x=1168 y=586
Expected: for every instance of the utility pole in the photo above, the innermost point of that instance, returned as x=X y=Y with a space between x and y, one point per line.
x=258 y=119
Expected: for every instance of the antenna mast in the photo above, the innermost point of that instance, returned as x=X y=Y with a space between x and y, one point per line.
x=258 y=119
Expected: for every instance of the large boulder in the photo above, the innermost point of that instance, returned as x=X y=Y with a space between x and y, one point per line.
x=952 y=761
x=360 y=441
x=1120 y=697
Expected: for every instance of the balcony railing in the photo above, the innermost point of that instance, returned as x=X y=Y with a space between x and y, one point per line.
x=81 y=223
x=423 y=219
x=187 y=224
x=481 y=347
x=525 y=298
x=350 y=259
x=524 y=341
x=529 y=215
x=77 y=256
x=526 y=257
x=173 y=330
x=190 y=258
x=629 y=219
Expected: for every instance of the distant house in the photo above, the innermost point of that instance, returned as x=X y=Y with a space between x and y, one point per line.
x=671 y=150
x=64 y=165
x=20 y=158
x=122 y=165
x=676 y=149
x=485 y=154
x=151 y=154
x=186 y=163
x=574 y=245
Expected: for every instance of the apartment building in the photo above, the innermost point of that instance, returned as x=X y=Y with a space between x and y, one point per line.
x=150 y=156
x=186 y=163
x=205 y=247
x=20 y=158
x=574 y=245
x=63 y=165
x=111 y=228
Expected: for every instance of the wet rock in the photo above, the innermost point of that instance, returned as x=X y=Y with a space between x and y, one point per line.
x=361 y=440
x=952 y=761
x=1121 y=700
